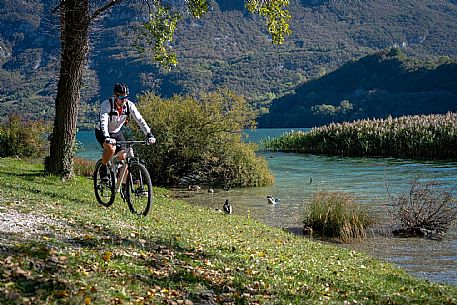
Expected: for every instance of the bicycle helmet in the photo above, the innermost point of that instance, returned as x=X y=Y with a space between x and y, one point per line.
x=121 y=89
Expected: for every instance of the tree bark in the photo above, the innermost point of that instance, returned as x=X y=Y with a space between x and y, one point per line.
x=74 y=22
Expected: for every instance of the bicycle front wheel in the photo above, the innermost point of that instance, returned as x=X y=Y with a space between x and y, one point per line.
x=139 y=189
x=103 y=188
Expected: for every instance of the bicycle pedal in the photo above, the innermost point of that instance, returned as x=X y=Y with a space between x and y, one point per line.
x=141 y=193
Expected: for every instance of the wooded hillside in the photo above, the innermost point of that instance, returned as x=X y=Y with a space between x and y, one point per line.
x=376 y=86
x=228 y=47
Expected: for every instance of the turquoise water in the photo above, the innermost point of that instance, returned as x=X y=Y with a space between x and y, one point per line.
x=91 y=149
x=88 y=146
x=298 y=177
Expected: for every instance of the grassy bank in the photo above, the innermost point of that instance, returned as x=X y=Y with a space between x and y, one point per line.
x=74 y=251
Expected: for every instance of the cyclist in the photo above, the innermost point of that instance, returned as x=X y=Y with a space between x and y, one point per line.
x=114 y=113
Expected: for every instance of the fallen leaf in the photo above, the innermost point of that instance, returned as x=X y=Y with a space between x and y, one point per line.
x=107 y=256
x=87 y=300
x=62 y=293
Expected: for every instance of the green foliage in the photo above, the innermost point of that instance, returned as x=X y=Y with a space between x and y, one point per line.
x=277 y=18
x=23 y=138
x=198 y=8
x=200 y=140
x=337 y=113
x=421 y=137
x=236 y=164
x=73 y=251
x=336 y=214
x=324 y=110
x=159 y=31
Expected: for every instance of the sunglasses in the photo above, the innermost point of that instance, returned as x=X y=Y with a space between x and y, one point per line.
x=122 y=97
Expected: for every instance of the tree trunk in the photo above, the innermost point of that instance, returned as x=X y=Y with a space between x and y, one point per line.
x=74 y=21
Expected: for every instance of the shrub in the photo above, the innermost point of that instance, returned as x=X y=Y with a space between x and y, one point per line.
x=426 y=209
x=200 y=141
x=335 y=214
x=23 y=138
x=237 y=165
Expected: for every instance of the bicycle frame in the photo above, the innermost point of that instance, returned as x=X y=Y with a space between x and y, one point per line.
x=113 y=163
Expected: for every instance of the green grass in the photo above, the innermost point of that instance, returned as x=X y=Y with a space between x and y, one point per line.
x=179 y=253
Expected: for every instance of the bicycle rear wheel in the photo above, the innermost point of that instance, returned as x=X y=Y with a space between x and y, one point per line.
x=104 y=190
x=139 y=189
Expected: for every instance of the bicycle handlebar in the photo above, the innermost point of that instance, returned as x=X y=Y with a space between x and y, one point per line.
x=130 y=142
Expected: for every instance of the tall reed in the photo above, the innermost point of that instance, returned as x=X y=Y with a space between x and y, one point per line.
x=420 y=136
x=336 y=214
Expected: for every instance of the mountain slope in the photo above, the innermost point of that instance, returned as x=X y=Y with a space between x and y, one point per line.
x=227 y=47
x=378 y=85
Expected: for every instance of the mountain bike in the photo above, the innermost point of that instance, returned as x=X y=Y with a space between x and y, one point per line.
x=138 y=188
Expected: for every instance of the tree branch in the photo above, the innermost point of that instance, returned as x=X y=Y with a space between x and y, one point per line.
x=102 y=9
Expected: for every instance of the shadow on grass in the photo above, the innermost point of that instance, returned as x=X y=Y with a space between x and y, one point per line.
x=30 y=274
x=29 y=175
x=71 y=195
x=32 y=269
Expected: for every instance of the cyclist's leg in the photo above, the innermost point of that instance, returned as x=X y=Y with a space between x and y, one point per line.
x=108 y=150
x=120 y=137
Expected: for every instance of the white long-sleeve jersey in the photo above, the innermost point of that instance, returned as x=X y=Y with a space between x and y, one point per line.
x=111 y=121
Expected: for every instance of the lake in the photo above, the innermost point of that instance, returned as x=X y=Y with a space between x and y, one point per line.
x=298 y=177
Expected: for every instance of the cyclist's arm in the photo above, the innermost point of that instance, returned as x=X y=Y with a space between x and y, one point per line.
x=105 y=109
x=139 y=119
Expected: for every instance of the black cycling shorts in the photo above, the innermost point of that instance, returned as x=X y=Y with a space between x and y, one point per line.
x=101 y=138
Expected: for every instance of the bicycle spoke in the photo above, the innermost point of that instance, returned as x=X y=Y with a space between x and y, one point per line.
x=104 y=190
x=139 y=193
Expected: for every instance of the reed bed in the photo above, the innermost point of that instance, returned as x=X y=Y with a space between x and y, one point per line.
x=419 y=137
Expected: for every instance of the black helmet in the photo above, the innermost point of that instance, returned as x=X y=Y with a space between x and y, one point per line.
x=121 y=89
